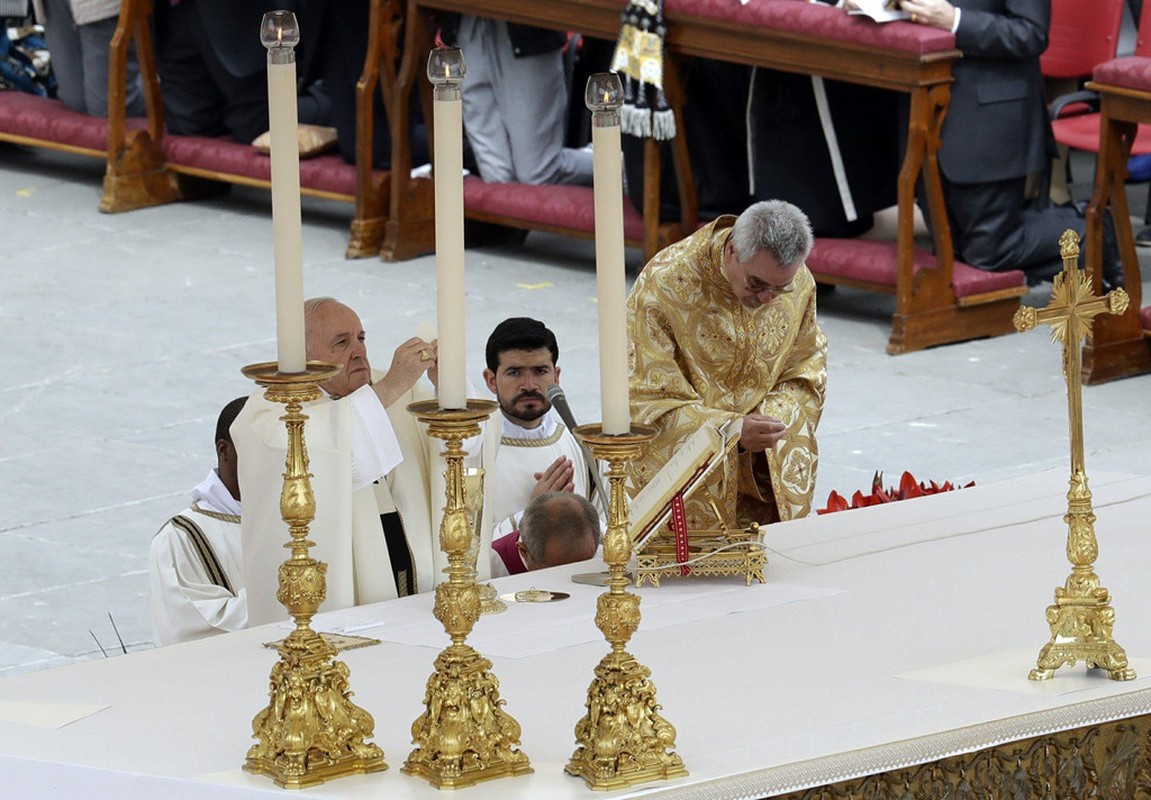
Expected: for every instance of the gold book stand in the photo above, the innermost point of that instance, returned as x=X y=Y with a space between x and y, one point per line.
x=718 y=550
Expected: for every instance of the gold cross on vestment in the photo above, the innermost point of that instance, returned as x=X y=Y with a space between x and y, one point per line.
x=1082 y=618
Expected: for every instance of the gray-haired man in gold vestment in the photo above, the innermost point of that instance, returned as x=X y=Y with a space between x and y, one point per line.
x=722 y=326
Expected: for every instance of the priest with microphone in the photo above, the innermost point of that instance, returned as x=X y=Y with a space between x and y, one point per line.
x=537 y=453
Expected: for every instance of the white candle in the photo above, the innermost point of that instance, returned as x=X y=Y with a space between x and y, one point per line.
x=280 y=35
x=604 y=95
x=446 y=71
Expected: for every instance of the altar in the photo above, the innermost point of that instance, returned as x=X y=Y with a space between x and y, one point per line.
x=885 y=638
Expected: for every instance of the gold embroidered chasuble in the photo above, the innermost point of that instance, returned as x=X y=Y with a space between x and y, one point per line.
x=698 y=355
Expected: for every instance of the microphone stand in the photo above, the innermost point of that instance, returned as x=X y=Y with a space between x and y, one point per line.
x=558 y=399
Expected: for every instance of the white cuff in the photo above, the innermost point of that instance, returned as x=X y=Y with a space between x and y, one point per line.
x=375 y=448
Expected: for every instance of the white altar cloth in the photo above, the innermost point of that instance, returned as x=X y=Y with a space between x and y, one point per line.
x=773 y=699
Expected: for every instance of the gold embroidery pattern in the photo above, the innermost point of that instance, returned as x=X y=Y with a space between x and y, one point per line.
x=216 y=514
x=1110 y=760
x=547 y=441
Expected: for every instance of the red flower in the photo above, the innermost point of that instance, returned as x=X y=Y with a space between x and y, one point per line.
x=908 y=488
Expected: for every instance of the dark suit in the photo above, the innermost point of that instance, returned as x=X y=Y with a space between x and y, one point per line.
x=213 y=67
x=996 y=132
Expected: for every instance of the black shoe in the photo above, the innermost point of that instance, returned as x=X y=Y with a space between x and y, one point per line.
x=1112 y=263
x=1143 y=237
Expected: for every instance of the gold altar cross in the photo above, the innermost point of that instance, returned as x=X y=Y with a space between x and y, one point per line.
x=1082 y=618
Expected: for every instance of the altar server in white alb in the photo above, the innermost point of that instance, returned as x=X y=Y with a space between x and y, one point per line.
x=536 y=452
x=369 y=464
x=195 y=567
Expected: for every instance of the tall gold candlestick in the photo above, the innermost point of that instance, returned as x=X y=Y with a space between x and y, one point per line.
x=464 y=736
x=1082 y=618
x=310 y=731
x=622 y=740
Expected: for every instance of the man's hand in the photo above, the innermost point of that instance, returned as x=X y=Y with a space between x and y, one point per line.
x=760 y=433
x=934 y=13
x=434 y=364
x=556 y=478
x=411 y=360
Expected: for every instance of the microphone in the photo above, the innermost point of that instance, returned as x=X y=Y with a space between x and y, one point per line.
x=559 y=401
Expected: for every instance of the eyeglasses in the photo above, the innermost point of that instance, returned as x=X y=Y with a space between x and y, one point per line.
x=753 y=284
x=758 y=287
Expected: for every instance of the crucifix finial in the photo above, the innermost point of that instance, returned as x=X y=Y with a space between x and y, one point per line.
x=1069 y=244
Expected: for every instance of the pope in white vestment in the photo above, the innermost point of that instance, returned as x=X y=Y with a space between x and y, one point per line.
x=360 y=470
x=195 y=569
x=366 y=461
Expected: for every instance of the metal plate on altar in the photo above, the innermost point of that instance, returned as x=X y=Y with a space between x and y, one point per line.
x=534 y=596
x=595 y=578
x=340 y=641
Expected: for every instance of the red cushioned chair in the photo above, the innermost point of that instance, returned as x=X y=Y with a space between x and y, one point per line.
x=1083 y=33
x=1075 y=117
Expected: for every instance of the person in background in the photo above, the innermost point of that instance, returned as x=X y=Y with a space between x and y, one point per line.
x=996 y=133
x=515 y=102
x=195 y=565
x=79 y=33
x=556 y=528
x=213 y=67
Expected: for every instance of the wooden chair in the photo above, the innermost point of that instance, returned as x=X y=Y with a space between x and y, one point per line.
x=1117 y=346
x=147 y=167
x=937 y=299
x=566 y=210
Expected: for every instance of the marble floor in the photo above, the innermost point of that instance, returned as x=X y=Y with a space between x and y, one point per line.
x=126 y=333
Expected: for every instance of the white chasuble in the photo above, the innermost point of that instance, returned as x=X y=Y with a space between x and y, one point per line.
x=351 y=443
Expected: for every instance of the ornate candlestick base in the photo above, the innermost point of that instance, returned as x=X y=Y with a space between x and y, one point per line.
x=622 y=740
x=310 y=731
x=1082 y=618
x=464 y=736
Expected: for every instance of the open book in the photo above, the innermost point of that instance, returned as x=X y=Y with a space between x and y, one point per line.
x=878 y=10
x=686 y=469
